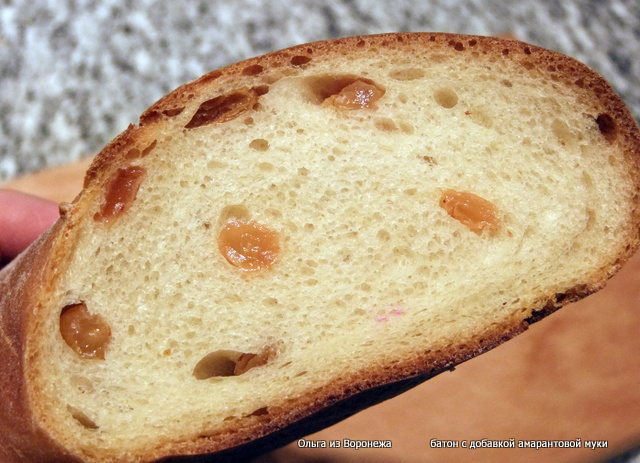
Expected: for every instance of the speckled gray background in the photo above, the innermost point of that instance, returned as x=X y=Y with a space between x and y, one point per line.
x=75 y=73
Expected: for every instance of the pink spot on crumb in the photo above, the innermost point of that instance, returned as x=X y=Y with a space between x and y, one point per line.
x=391 y=313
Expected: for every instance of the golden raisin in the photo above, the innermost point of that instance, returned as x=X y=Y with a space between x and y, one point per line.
x=87 y=334
x=357 y=95
x=227 y=107
x=471 y=210
x=248 y=245
x=121 y=193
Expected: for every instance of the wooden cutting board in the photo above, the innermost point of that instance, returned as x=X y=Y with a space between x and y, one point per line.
x=574 y=375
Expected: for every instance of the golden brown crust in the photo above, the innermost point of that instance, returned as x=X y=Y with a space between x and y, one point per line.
x=22 y=437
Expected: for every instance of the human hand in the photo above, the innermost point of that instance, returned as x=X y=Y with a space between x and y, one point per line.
x=23 y=218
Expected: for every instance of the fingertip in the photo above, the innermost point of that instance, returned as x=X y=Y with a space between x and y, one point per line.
x=23 y=217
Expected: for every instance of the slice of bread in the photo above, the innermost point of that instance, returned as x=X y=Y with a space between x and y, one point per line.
x=297 y=236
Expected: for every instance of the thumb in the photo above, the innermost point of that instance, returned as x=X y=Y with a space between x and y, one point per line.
x=23 y=218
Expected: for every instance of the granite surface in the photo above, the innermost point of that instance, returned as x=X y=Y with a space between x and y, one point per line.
x=75 y=73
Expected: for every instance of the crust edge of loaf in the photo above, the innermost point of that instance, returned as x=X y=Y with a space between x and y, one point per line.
x=22 y=437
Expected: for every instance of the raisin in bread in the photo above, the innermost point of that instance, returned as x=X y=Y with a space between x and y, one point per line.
x=294 y=237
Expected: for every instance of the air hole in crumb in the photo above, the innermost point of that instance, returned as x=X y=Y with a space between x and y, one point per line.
x=216 y=364
x=213 y=164
x=172 y=112
x=234 y=212
x=406 y=128
x=562 y=131
x=82 y=384
x=446 y=97
x=591 y=219
x=82 y=418
x=458 y=46
x=266 y=166
x=154 y=115
x=385 y=124
x=407 y=74
x=248 y=361
x=259 y=144
x=262 y=412
x=252 y=70
x=300 y=60
x=223 y=363
x=384 y=235
x=481 y=117
x=607 y=127
x=149 y=148
x=261 y=90
x=274 y=212
x=133 y=153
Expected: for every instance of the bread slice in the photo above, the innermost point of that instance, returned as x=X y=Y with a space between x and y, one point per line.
x=297 y=236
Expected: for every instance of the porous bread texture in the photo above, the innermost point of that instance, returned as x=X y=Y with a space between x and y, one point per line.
x=372 y=273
